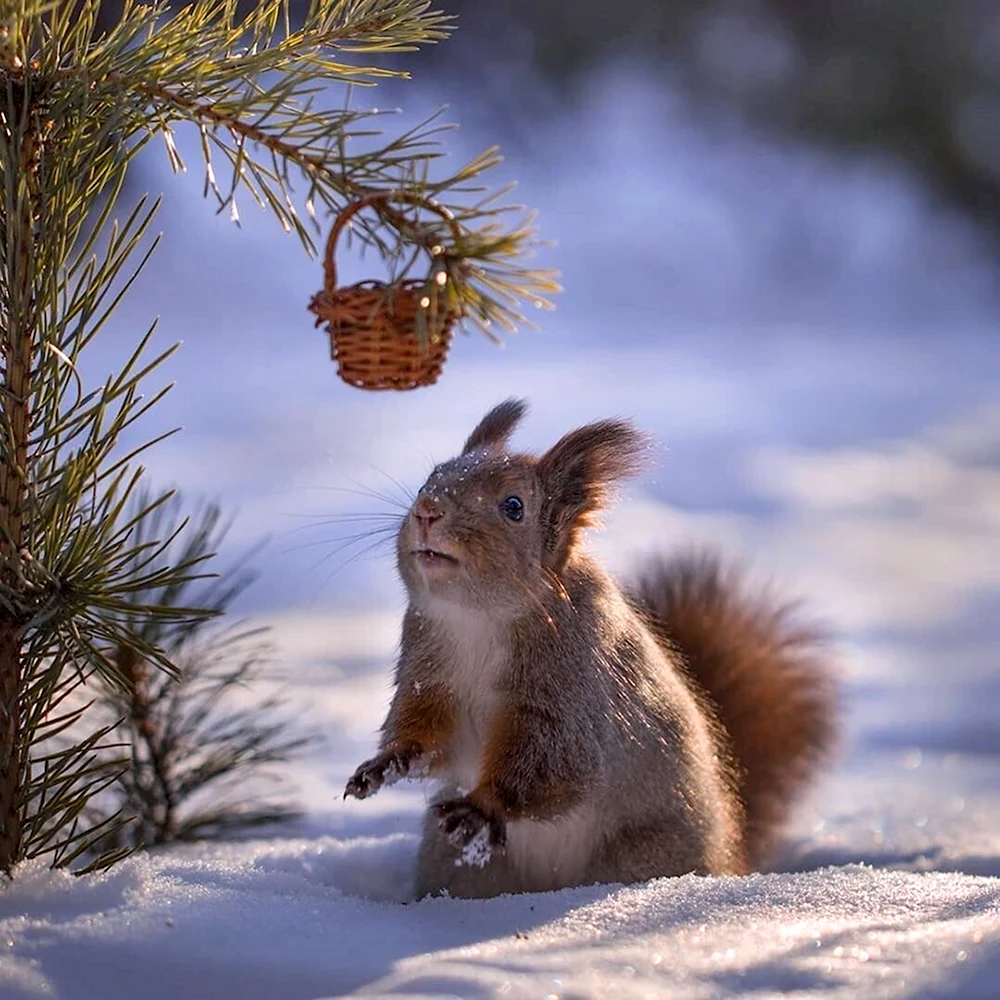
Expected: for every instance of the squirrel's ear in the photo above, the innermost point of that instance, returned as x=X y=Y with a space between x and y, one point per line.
x=577 y=476
x=497 y=426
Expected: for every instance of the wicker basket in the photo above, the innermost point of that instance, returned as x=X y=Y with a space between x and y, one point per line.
x=382 y=336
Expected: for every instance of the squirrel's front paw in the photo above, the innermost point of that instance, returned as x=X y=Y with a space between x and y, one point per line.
x=373 y=774
x=463 y=822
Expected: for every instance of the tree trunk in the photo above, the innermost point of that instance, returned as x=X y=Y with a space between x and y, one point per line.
x=17 y=339
x=11 y=749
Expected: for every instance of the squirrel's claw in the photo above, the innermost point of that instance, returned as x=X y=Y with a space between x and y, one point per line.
x=387 y=768
x=367 y=779
x=461 y=822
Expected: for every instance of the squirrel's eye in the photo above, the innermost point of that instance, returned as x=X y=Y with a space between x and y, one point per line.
x=513 y=508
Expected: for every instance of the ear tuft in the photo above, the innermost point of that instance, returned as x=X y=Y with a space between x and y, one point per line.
x=578 y=474
x=495 y=429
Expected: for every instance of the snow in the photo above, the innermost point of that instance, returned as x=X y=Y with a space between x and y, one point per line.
x=888 y=886
x=283 y=919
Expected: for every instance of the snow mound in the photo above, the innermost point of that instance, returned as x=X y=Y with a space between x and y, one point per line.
x=278 y=919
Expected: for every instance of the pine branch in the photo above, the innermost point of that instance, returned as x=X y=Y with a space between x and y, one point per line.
x=191 y=749
x=70 y=558
x=251 y=88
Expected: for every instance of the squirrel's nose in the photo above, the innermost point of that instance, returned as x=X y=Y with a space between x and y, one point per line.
x=427 y=512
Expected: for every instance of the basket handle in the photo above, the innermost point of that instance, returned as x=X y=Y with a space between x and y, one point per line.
x=329 y=264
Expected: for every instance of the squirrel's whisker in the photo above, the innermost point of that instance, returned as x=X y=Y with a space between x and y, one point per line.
x=345 y=541
x=353 y=558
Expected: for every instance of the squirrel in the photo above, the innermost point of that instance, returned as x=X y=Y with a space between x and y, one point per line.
x=583 y=732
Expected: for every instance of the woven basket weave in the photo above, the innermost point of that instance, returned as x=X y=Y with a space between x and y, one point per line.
x=383 y=336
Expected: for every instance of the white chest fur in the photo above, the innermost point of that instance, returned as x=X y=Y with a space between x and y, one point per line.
x=477 y=650
x=554 y=853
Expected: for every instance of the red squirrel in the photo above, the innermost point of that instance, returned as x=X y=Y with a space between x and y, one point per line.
x=584 y=732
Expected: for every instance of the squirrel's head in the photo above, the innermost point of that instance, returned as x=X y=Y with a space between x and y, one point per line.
x=490 y=529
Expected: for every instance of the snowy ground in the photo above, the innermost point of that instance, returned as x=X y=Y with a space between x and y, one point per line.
x=829 y=409
x=889 y=887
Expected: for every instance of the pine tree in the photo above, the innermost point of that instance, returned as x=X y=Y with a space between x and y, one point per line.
x=77 y=104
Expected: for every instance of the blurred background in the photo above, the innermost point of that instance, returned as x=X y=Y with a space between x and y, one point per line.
x=777 y=227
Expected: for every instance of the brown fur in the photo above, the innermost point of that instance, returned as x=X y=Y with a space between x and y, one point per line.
x=422 y=713
x=577 y=474
x=496 y=427
x=765 y=677
x=565 y=727
x=507 y=789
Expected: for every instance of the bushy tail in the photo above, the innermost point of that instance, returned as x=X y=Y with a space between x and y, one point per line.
x=767 y=678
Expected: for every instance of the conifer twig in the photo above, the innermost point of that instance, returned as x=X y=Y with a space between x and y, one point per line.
x=193 y=748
